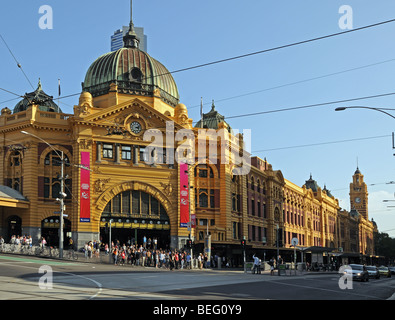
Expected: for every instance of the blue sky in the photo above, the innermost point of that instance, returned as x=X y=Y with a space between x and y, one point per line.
x=185 y=33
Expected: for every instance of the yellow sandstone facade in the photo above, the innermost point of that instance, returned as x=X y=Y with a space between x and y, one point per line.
x=130 y=104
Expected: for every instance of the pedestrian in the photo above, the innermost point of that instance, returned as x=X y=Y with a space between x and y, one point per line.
x=189 y=264
x=200 y=261
x=115 y=255
x=271 y=264
x=257 y=265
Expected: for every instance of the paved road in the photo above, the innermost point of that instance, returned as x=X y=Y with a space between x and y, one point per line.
x=20 y=279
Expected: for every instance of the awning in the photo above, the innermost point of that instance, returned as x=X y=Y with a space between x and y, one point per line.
x=12 y=199
x=317 y=249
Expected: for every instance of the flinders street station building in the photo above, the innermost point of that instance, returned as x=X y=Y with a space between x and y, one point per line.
x=129 y=154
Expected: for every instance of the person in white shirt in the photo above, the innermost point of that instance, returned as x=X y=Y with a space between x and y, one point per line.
x=257 y=265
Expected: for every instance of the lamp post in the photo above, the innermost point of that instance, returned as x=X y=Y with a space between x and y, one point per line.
x=370 y=108
x=382 y=110
x=62 y=194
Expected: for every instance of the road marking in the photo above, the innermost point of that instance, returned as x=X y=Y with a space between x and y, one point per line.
x=32 y=260
x=329 y=290
x=98 y=284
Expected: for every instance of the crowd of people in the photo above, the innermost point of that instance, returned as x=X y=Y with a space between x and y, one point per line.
x=146 y=255
x=19 y=240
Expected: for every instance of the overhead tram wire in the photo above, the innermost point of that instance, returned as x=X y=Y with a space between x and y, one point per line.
x=17 y=63
x=277 y=48
x=322 y=143
x=269 y=50
x=296 y=82
x=310 y=105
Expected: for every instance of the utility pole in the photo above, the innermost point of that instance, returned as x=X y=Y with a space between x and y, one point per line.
x=62 y=196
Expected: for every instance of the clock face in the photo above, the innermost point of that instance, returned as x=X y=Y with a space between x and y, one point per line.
x=357 y=199
x=135 y=126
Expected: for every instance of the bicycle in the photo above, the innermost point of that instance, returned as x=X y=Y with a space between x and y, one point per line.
x=71 y=255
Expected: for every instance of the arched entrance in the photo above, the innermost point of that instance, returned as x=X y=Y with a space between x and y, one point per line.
x=50 y=230
x=135 y=215
x=14 y=226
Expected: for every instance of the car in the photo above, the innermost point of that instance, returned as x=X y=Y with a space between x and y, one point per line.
x=392 y=269
x=384 y=271
x=358 y=271
x=373 y=272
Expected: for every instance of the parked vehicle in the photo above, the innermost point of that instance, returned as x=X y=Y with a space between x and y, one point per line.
x=373 y=272
x=358 y=271
x=392 y=269
x=384 y=271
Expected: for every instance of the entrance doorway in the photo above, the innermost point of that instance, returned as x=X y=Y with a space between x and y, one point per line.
x=136 y=236
x=14 y=226
x=135 y=215
x=50 y=231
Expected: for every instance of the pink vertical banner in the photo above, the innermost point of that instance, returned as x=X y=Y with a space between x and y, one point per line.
x=85 y=203
x=184 y=195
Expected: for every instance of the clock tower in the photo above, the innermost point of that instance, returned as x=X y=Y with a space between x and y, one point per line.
x=359 y=194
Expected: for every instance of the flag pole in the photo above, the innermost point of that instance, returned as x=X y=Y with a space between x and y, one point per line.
x=201 y=112
x=59 y=93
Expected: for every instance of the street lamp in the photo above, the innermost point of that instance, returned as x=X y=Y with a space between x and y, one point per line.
x=382 y=110
x=62 y=194
x=370 y=108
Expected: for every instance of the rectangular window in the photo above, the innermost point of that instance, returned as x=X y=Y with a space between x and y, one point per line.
x=234 y=230
x=107 y=151
x=136 y=202
x=116 y=204
x=126 y=153
x=46 y=187
x=202 y=173
x=203 y=200
x=126 y=202
x=154 y=207
x=143 y=156
x=144 y=203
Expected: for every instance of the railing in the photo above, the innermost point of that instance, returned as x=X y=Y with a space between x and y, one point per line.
x=130 y=87
x=23 y=249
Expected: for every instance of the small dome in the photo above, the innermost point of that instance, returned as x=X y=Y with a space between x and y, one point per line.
x=311 y=184
x=134 y=72
x=212 y=119
x=39 y=97
x=180 y=109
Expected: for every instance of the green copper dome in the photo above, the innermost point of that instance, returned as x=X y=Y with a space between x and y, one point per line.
x=212 y=119
x=39 y=97
x=134 y=72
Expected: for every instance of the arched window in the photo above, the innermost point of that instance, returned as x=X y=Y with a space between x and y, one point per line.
x=51 y=182
x=135 y=204
x=205 y=197
x=14 y=170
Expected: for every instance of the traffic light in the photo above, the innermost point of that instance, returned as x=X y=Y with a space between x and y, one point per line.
x=243 y=243
x=189 y=243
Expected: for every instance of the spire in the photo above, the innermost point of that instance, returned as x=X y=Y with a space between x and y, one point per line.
x=131 y=40
x=39 y=86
